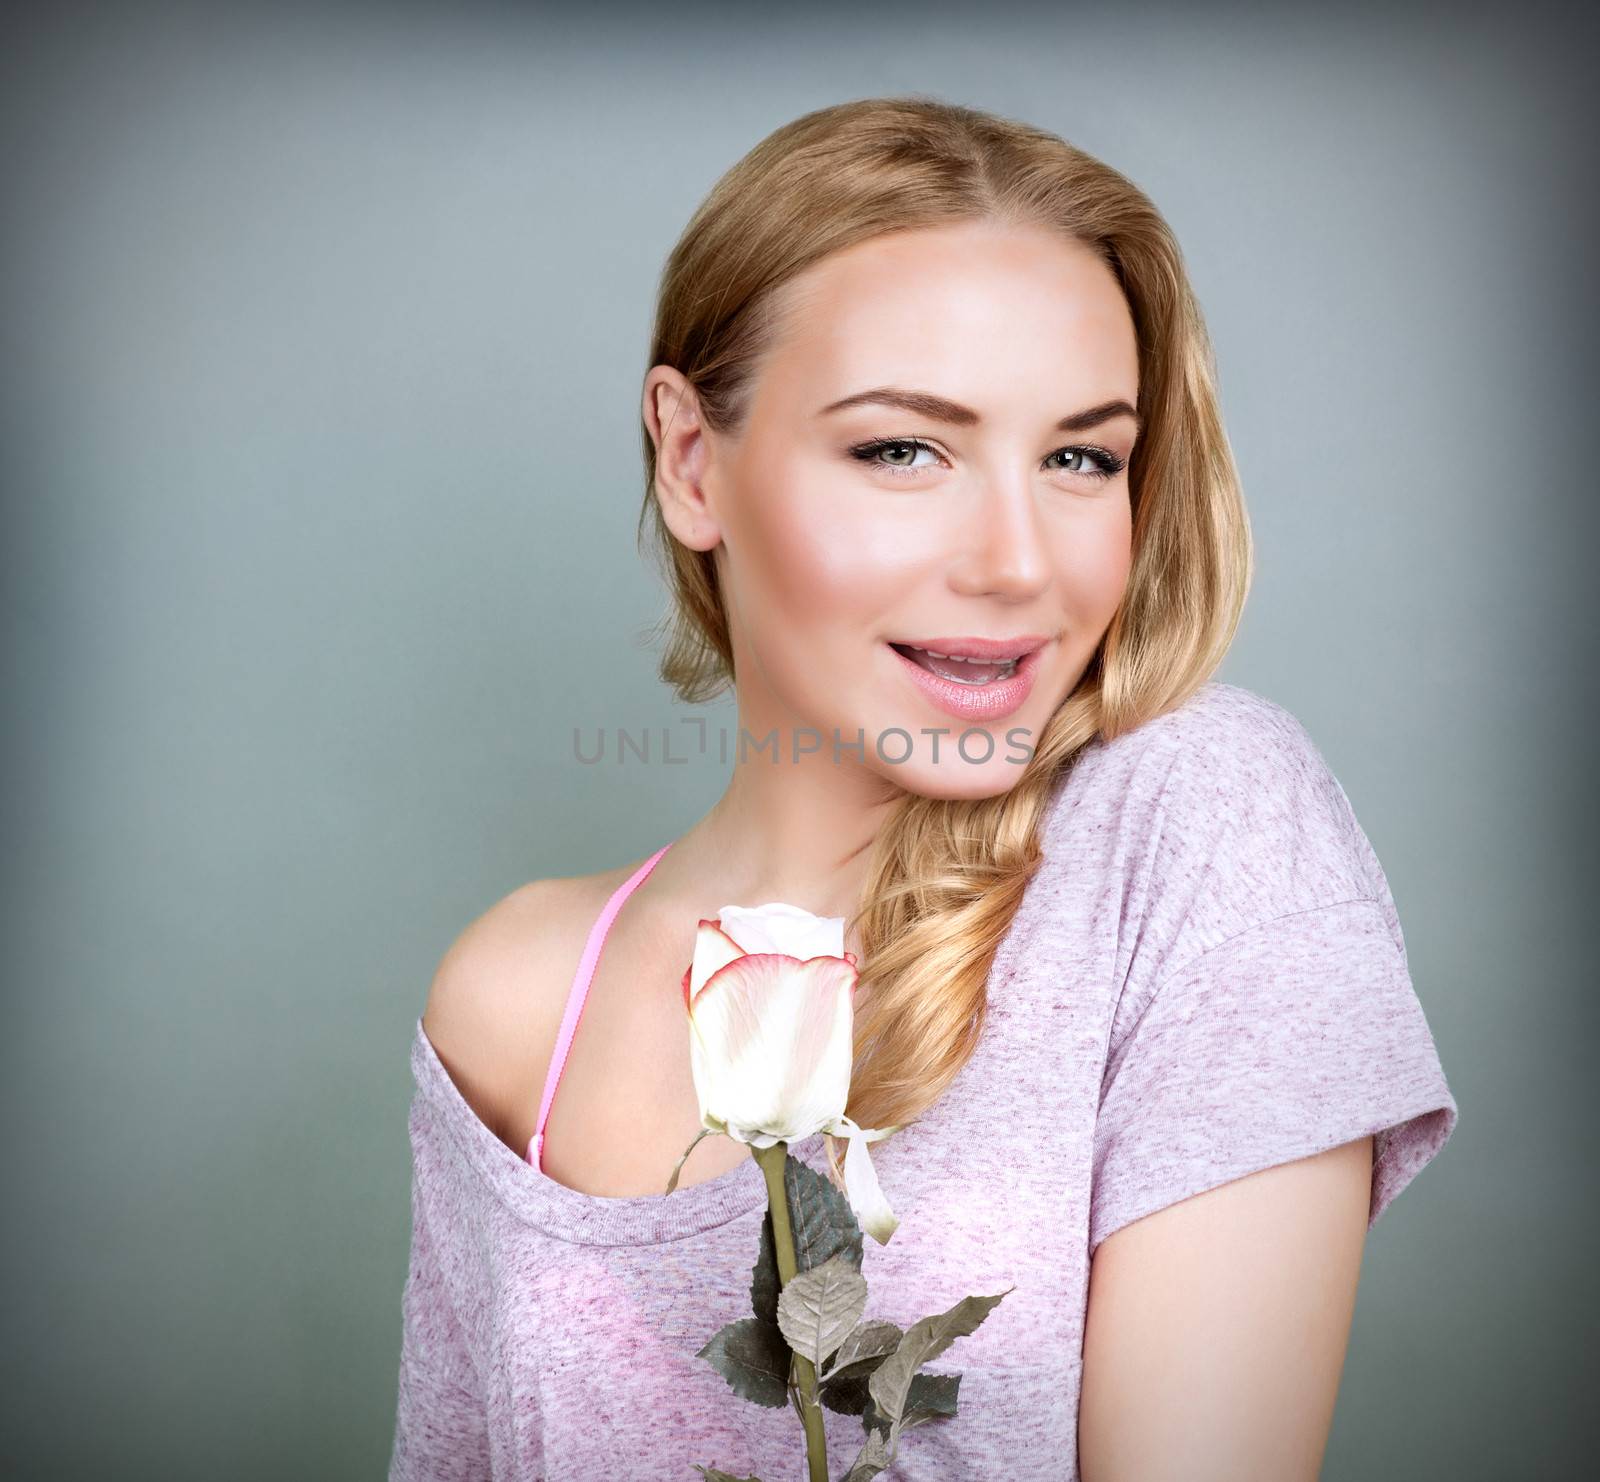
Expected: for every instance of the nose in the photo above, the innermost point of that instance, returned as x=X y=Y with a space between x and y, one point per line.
x=1003 y=551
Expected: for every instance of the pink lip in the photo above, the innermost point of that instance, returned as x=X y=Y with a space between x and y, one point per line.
x=974 y=702
x=980 y=648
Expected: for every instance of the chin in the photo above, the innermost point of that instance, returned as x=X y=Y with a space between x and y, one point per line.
x=953 y=780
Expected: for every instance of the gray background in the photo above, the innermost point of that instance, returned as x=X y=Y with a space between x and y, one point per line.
x=323 y=340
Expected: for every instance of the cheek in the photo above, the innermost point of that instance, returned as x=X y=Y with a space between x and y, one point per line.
x=1092 y=559
x=817 y=552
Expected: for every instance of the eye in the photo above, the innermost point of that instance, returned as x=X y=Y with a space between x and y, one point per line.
x=900 y=447
x=1101 y=463
x=1104 y=463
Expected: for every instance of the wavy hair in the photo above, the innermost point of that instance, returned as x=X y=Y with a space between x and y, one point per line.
x=946 y=875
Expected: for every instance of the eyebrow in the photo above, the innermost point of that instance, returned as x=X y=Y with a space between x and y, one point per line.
x=939 y=409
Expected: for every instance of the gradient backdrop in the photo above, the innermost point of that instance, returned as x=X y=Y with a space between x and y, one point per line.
x=324 y=329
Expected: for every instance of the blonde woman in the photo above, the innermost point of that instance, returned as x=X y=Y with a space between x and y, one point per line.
x=936 y=470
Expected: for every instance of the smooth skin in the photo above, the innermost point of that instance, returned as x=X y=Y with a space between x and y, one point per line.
x=1216 y=1328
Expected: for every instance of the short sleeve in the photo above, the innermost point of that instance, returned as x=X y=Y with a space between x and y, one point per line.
x=1284 y=1040
x=441 y=1422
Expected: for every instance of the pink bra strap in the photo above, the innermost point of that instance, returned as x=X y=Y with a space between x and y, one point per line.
x=579 y=993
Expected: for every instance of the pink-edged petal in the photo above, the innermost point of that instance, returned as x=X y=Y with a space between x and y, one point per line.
x=713 y=950
x=771 y=1045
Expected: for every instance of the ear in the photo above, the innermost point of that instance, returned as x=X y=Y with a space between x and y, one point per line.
x=672 y=416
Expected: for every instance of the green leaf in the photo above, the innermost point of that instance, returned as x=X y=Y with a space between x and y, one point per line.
x=820 y=1307
x=925 y=1339
x=873 y=1457
x=711 y=1474
x=764 y=1282
x=847 y=1395
x=928 y=1397
x=873 y=1419
x=823 y=1224
x=754 y=1358
x=842 y=1387
x=863 y=1349
x=931 y=1397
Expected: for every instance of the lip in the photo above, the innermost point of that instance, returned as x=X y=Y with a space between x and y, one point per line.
x=980 y=648
x=967 y=702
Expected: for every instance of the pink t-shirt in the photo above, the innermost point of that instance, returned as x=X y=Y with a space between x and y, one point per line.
x=1205 y=977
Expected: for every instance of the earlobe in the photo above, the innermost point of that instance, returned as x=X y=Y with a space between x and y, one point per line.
x=698 y=533
x=683 y=507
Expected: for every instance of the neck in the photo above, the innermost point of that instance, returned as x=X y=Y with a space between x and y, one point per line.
x=801 y=833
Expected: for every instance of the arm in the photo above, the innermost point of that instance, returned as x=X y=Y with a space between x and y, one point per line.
x=1217 y=1327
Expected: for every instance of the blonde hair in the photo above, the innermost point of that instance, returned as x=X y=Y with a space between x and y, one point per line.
x=946 y=876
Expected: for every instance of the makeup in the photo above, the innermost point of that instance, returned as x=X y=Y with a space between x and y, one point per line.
x=979 y=698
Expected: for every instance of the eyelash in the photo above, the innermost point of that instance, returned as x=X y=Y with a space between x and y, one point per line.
x=1108 y=463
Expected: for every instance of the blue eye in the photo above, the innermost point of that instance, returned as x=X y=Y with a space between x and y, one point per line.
x=1106 y=464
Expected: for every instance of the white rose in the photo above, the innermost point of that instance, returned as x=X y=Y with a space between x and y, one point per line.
x=769 y=997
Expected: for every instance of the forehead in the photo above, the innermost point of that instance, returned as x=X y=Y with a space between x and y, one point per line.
x=976 y=311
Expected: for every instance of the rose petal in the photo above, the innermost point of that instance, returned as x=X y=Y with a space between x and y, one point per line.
x=861 y=1180
x=779 y=927
x=771 y=1047
x=713 y=949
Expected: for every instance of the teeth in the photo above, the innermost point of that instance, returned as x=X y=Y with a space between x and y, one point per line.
x=960 y=659
x=949 y=666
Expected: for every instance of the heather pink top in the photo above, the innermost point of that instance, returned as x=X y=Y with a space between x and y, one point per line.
x=1205 y=977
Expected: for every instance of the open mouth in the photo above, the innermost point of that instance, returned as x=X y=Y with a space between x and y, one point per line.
x=973 y=672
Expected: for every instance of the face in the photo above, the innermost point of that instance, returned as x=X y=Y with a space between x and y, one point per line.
x=936 y=449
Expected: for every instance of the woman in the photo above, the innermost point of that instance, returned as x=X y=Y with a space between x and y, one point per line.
x=935 y=460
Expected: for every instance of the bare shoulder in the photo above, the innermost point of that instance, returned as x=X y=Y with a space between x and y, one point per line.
x=495 y=1004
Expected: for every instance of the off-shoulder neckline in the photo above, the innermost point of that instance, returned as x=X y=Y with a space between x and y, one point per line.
x=531 y=1195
